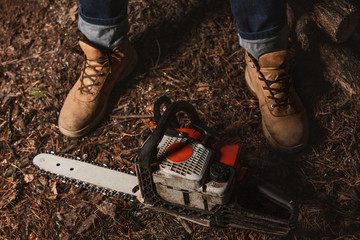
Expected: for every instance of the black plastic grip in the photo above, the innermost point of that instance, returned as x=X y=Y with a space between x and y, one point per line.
x=157 y=105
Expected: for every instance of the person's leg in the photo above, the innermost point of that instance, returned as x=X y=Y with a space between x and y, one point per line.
x=261 y=25
x=263 y=32
x=103 y=22
x=109 y=58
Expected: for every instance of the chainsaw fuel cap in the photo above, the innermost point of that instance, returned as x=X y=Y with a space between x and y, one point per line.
x=178 y=152
x=219 y=172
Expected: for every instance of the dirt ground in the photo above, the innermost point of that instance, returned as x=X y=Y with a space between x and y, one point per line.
x=189 y=51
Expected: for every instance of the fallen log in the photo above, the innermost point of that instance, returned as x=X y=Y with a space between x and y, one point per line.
x=338 y=18
x=341 y=65
x=340 y=61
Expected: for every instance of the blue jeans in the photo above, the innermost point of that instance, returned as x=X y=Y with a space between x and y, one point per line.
x=103 y=22
x=261 y=24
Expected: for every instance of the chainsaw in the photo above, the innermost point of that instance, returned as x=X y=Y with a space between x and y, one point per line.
x=191 y=173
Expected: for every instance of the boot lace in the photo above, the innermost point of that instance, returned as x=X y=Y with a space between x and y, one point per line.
x=282 y=91
x=98 y=69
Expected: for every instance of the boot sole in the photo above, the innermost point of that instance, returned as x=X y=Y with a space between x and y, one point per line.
x=86 y=129
x=273 y=143
x=99 y=117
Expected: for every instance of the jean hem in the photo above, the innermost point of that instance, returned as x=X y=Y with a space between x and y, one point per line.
x=261 y=35
x=103 y=22
x=104 y=36
x=258 y=47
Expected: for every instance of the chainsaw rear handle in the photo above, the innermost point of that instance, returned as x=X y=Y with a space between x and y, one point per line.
x=274 y=195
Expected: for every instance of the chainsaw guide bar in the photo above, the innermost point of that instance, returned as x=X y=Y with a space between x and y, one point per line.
x=88 y=175
x=191 y=173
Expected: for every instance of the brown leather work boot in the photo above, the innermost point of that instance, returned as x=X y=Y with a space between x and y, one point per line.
x=86 y=102
x=284 y=119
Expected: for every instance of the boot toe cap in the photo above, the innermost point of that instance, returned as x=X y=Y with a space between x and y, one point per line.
x=288 y=135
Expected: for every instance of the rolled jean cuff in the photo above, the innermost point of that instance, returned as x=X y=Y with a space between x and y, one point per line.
x=258 y=47
x=104 y=36
x=98 y=21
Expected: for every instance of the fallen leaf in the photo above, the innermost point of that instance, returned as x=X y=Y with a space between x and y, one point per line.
x=72 y=12
x=37 y=93
x=149 y=123
x=150 y=108
x=107 y=208
x=53 y=188
x=32 y=236
x=28 y=178
x=86 y=224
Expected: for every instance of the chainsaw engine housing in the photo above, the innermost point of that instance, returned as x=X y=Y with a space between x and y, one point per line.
x=196 y=174
x=190 y=173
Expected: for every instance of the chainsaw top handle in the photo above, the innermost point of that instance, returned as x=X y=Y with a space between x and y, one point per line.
x=195 y=122
x=167 y=119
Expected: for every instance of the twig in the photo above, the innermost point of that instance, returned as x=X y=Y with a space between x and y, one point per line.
x=186 y=225
x=24 y=59
x=159 y=52
x=132 y=116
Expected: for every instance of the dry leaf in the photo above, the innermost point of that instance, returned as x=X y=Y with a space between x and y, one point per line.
x=86 y=224
x=28 y=178
x=149 y=123
x=107 y=208
x=54 y=192
x=150 y=108
x=53 y=188
x=32 y=236
x=72 y=12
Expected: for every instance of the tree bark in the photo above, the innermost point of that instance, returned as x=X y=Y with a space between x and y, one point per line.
x=338 y=18
x=340 y=61
x=341 y=65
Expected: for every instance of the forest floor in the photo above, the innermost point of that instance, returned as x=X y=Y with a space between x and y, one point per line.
x=189 y=51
